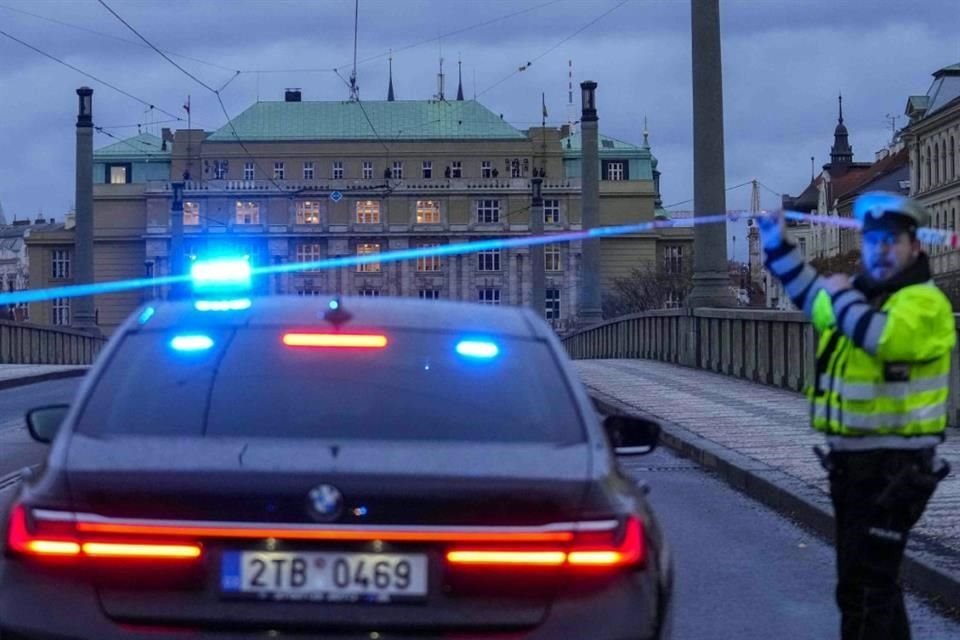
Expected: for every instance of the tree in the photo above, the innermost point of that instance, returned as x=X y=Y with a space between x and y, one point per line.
x=848 y=263
x=646 y=288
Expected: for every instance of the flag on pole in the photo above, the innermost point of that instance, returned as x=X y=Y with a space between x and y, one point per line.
x=543 y=98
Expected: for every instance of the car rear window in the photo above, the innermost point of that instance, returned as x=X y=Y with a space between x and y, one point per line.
x=250 y=384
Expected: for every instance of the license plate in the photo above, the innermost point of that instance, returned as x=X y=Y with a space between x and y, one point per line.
x=328 y=577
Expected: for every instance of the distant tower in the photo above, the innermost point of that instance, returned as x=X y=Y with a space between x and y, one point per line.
x=440 y=79
x=460 y=80
x=571 y=110
x=390 y=97
x=841 y=153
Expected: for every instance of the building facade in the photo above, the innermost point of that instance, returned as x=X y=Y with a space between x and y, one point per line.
x=297 y=182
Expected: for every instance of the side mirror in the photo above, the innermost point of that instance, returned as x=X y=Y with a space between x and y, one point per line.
x=631 y=435
x=44 y=422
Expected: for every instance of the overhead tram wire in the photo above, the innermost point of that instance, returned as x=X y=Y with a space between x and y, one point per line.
x=89 y=75
x=736 y=186
x=525 y=66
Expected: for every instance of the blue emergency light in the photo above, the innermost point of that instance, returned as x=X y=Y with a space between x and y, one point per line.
x=191 y=342
x=480 y=349
x=221 y=275
x=240 y=304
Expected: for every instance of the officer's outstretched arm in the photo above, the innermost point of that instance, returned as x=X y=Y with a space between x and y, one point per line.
x=918 y=326
x=800 y=280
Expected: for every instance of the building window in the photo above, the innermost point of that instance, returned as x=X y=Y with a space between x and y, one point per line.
x=551 y=211
x=552 y=310
x=488 y=260
x=337 y=170
x=673 y=259
x=489 y=295
x=368 y=212
x=279 y=171
x=248 y=213
x=367 y=170
x=427 y=169
x=61 y=264
x=673 y=300
x=515 y=171
x=397 y=172
x=119 y=174
x=614 y=170
x=428 y=212
x=369 y=293
x=220 y=168
x=551 y=257
x=428 y=263
x=61 y=311
x=191 y=213
x=308 y=291
x=249 y=171
x=488 y=211
x=486 y=169
x=802 y=243
x=456 y=169
x=308 y=252
x=428 y=294
x=308 y=212
x=368 y=249
x=308 y=171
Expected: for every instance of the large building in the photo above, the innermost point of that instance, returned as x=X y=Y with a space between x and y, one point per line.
x=933 y=140
x=299 y=181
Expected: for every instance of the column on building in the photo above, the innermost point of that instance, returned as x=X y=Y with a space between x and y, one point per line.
x=453 y=268
x=570 y=309
x=399 y=282
x=468 y=271
x=279 y=251
x=513 y=281
x=340 y=281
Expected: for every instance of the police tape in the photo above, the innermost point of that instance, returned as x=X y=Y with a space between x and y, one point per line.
x=927 y=235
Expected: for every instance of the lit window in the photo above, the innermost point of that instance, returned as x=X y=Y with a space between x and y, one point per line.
x=279 y=172
x=61 y=264
x=60 y=311
x=429 y=294
x=308 y=212
x=428 y=212
x=428 y=263
x=552 y=297
x=486 y=169
x=368 y=249
x=488 y=260
x=308 y=252
x=368 y=212
x=673 y=259
x=456 y=169
x=427 y=169
x=248 y=213
x=337 y=170
x=489 y=296
x=488 y=211
x=249 y=171
x=551 y=257
x=308 y=171
x=551 y=211
x=119 y=174
x=369 y=293
x=191 y=213
x=397 y=173
x=367 y=170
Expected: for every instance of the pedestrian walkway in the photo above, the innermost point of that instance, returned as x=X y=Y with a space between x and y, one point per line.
x=16 y=375
x=764 y=431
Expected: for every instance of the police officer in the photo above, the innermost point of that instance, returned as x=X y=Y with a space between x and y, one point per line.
x=879 y=396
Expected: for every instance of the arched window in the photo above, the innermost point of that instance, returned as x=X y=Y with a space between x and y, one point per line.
x=953 y=159
x=935 y=178
x=943 y=161
x=927 y=178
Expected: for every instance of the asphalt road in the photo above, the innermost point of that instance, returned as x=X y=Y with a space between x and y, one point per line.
x=743 y=571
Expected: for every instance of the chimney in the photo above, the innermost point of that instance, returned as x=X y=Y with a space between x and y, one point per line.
x=166 y=136
x=292 y=95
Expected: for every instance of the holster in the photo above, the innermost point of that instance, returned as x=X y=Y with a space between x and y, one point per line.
x=913 y=484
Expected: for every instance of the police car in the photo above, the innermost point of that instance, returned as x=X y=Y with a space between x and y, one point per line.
x=324 y=467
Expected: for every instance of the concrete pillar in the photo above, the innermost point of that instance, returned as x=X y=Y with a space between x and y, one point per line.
x=590 y=311
x=83 y=311
x=538 y=276
x=177 y=256
x=710 y=278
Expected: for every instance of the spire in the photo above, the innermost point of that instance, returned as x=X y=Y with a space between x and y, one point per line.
x=841 y=153
x=646 y=133
x=390 y=97
x=460 y=80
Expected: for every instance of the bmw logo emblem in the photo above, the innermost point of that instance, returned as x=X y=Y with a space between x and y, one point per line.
x=326 y=502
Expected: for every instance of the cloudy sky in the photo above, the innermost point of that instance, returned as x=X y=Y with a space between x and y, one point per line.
x=784 y=63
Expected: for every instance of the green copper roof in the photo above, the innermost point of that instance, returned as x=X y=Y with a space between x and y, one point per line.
x=145 y=146
x=606 y=143
x=399 y=120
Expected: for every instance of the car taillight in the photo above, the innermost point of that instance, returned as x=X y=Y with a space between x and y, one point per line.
x=58 y=538
x=588 y=549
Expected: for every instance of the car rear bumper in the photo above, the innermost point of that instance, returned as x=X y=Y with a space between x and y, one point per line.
x=42 y=606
